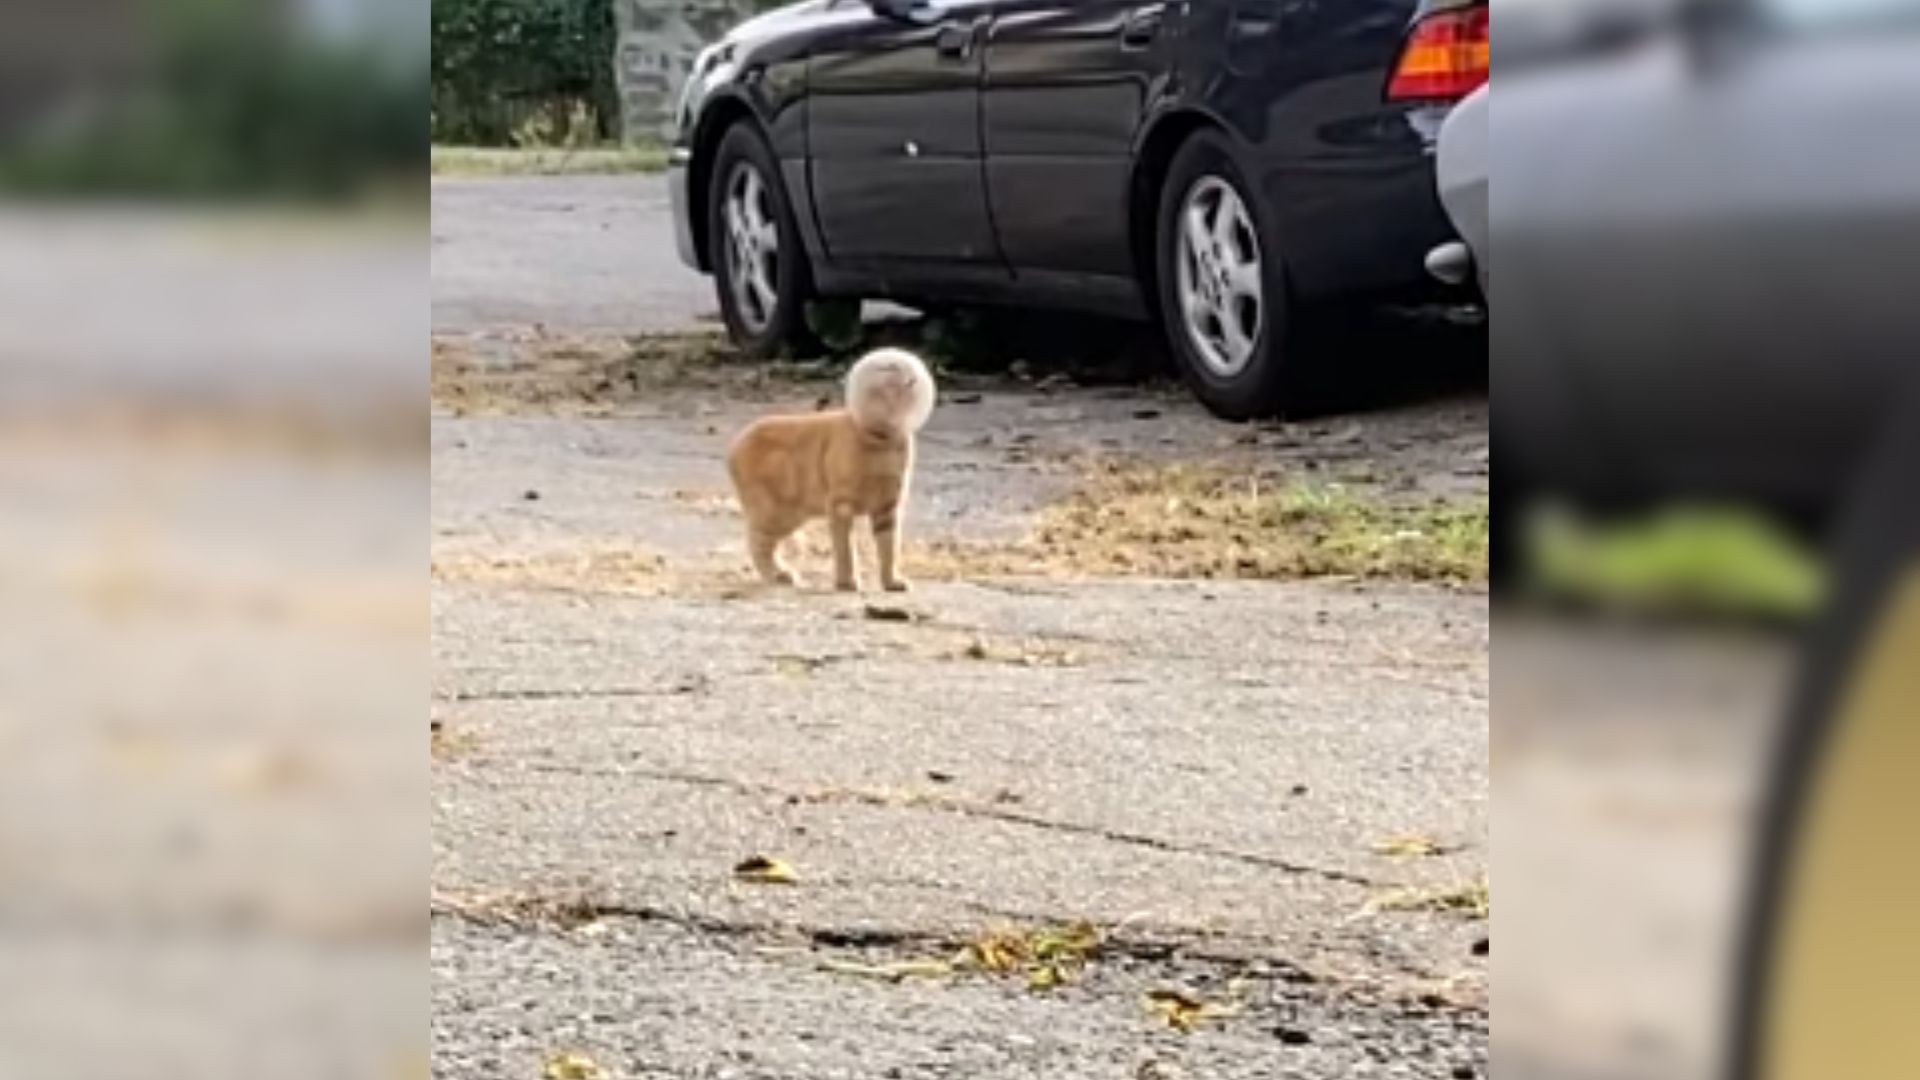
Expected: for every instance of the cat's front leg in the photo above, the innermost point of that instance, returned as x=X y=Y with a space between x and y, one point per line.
x=886 y=542
x=841 y=522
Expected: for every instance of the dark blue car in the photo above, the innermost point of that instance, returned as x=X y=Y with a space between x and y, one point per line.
x=1214 y=164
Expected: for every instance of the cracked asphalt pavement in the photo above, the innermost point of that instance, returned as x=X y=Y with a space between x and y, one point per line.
x=1202 y=770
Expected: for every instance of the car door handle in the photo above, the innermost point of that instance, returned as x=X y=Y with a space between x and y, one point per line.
x=1142 y=26
x=956 y=40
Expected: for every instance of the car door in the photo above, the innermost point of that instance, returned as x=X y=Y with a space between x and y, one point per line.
x=893 y=132
x=1065 y=90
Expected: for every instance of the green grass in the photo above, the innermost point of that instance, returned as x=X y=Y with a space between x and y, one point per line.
x=1212 y=521
x=478 y=161
x=1711 y=561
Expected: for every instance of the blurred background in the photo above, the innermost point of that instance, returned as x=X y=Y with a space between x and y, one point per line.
x=1705 y=215
x=213 y=466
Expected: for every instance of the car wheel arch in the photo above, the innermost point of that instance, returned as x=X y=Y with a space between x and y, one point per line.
x=718 y=118
x=1153 y=156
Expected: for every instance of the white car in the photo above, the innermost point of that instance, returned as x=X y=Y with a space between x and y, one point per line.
x=1460 y=169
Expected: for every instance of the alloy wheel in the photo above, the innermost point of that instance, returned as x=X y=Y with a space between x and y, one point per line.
x=1221 y=288
x=753 y=240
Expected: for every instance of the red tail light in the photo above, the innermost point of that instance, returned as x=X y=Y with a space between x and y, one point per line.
x=1445 y=58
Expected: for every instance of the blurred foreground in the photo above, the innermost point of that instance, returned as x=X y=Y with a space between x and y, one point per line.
x=213 y=629
x=212 y=619
x=1705 y=233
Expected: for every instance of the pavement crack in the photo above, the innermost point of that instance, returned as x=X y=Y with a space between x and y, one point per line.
x=586 y=693
x=532 y=911
x=984 y=811
x=525 y=910
x=1155 y=843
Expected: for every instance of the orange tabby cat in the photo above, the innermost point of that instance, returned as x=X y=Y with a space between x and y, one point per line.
x=843 y=464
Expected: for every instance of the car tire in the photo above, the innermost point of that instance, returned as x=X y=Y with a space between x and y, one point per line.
x=760 y=272
x=1235 y=357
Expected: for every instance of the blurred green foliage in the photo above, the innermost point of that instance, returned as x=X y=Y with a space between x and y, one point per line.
x=1687 y=560
x=232 y=102
x=523 y=72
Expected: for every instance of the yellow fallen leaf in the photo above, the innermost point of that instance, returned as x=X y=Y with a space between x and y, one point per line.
x=1473 y=900
x=445 y=743
x=766 y=871
x=1077 y=941
x=1047 y=977
x=798 y=667
x=1183 y=1010
x=998 y=951
x=1177 y=1007
x=1409 y=846
x=572 y=1065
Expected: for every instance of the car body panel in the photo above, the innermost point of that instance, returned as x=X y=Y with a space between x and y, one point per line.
x=1067 y=84
x=893 y=130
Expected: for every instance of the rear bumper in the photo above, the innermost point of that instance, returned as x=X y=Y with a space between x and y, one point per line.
x=678 y=195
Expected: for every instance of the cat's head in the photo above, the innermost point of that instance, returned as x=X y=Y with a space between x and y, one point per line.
x=890 y=390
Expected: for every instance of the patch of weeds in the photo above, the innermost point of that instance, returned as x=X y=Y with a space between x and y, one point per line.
x=489 y=161
x=1189 y=521
x=1045 y=957
x=1712 y=561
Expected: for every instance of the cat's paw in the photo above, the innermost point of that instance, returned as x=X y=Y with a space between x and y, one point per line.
x=782 y=579
x=896 y=585
x=847 y=585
